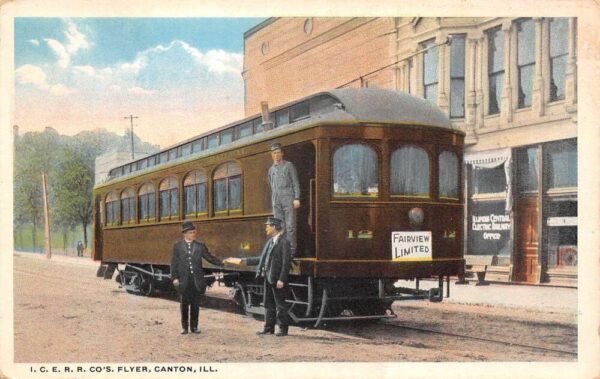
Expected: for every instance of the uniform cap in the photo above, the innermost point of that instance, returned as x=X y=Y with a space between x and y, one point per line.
x=187 y=226
x=275 y=146
x=277 y=223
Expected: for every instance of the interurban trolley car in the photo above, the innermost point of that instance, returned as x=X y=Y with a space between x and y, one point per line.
x=381 y=200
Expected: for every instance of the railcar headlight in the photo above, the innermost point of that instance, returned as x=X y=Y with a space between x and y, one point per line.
x=416 y=216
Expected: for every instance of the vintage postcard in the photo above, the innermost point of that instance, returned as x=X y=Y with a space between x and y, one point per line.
x=303 y=190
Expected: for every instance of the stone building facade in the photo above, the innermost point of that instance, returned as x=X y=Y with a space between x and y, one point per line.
x=508 y=83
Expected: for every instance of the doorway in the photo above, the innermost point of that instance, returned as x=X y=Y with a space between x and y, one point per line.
x=302 y=155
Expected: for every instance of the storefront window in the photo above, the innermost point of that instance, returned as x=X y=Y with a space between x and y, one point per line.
x=410 y=172
x=561 y=222
x=560 y=164
x=488 y=180
x=355 y=171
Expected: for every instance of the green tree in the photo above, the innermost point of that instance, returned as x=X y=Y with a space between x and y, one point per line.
x=74 y=184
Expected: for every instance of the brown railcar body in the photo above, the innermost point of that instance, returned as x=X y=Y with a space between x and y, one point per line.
x=338 y=237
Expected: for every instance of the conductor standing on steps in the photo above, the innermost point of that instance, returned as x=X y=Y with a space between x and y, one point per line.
x=188 y=276
x=285 y=193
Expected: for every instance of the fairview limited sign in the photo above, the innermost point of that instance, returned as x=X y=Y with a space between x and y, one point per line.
x=411 y=246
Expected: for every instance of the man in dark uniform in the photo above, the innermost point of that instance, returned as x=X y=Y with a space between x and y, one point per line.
x=274 y=265
x=188 y=276
x=285 y=193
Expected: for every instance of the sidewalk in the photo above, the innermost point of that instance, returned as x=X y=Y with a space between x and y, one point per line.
x=540 y=298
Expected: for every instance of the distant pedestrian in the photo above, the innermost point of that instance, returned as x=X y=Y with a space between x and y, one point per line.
x=285 y=193
x=188 y=276
x=79 y=249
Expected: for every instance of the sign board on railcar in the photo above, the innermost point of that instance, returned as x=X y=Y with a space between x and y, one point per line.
x=411 y=246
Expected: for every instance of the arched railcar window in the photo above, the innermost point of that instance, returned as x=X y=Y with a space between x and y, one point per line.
x=168 y=195
x=111 y=204
x=127 y=206
x=355 y=171
x=227 y=188
x=146 y=201
x=448 y=175
x=409 y=172
x=194 y=193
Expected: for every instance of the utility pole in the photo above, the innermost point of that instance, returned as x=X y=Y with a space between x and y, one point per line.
x=131 y=117
x=47 y=241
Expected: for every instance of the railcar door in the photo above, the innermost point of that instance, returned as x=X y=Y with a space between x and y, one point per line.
x=303 y=157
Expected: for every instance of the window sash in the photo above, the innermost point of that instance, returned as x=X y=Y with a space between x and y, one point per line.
x=355 y=171
x=409 y=168
x=448 y=172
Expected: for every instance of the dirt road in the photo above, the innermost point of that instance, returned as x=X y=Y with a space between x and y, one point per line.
x=63 y=313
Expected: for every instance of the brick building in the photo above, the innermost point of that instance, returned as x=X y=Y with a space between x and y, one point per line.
x=508 y=83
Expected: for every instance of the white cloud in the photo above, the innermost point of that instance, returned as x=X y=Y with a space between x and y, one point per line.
x=114 y=88
x=61 y=89
x=140 y=91
x=88 y=70
x=33 y=75
x=64 y=58
x=75 y=42
x=76 y=39
x=34 y=42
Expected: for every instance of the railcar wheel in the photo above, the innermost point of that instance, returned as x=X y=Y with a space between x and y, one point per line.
x=146 y=284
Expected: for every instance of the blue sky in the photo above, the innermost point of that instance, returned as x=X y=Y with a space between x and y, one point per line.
x=181 y=76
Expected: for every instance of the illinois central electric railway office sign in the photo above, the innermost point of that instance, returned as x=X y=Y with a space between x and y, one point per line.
x=411 y=246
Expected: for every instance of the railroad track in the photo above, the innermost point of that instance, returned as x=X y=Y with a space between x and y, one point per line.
x=475 y=338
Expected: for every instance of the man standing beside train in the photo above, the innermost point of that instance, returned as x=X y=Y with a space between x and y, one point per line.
x=274 y=266
x=285 y=193
x=188 y=276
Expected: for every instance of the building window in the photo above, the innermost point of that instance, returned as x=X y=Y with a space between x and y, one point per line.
x=430 y=71
x=146 y=199
x=457 y=76
x=495 y=69
x=559 y=44
x=409 y=174
x=169 y=199
x=111 y=204
x=355 y=171
x=525 y=61
x=448 y=175
x=127 y=206
x=560 y=164
x=227 y=182
x=194 y=193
